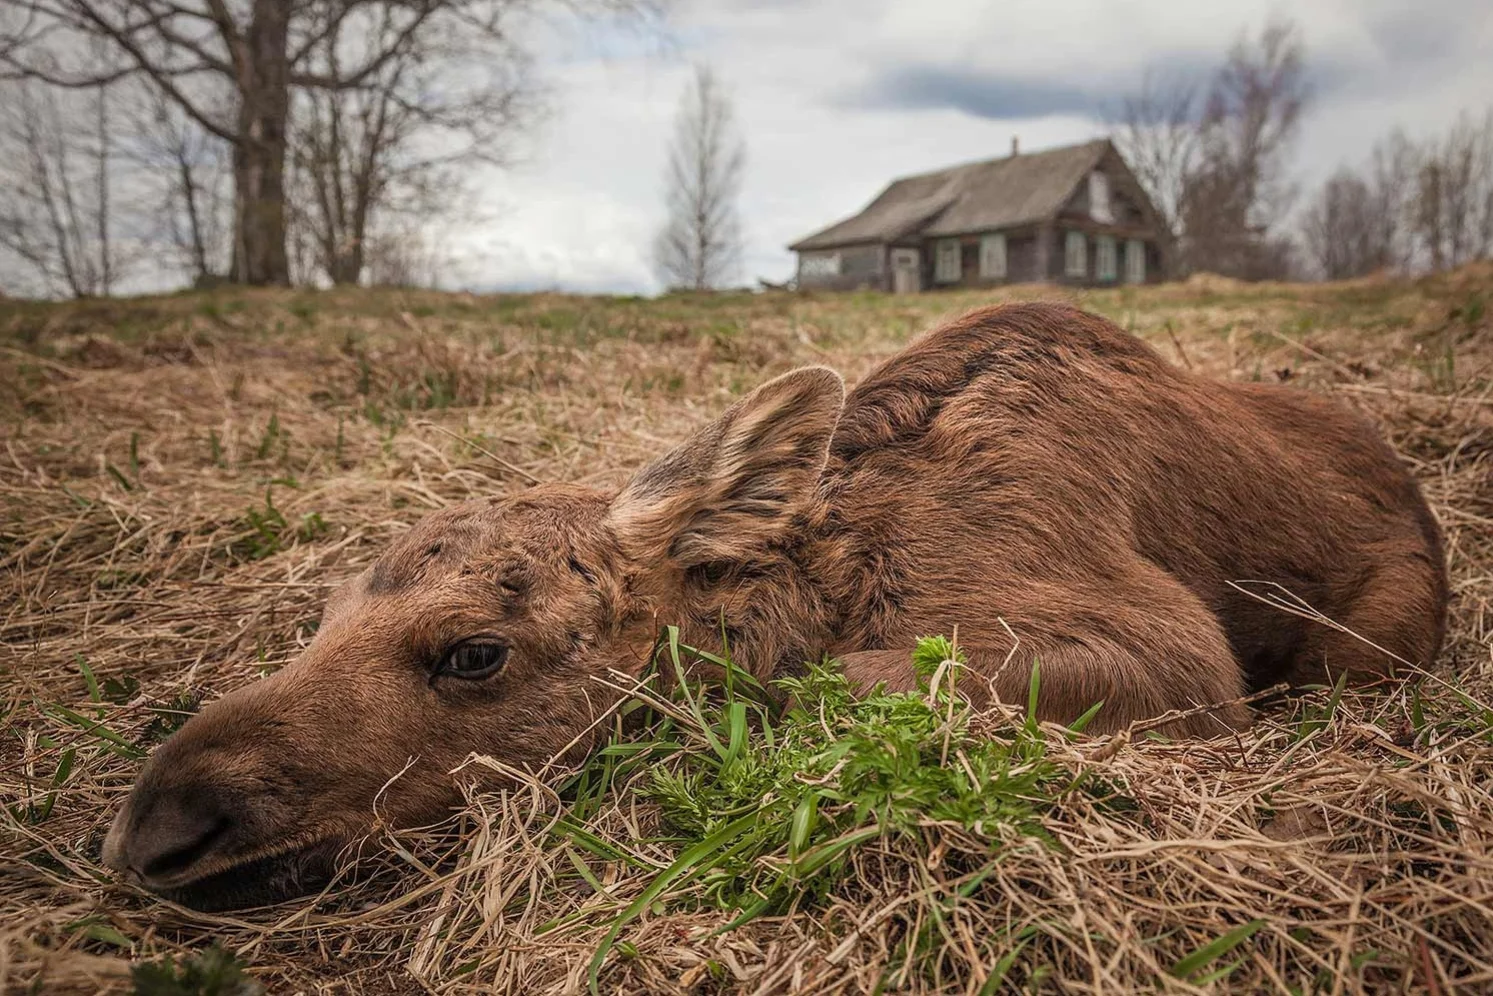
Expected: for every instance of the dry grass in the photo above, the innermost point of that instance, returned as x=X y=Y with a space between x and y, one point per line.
x=183 y=479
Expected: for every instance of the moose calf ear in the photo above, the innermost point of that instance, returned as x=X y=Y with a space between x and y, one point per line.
x=736 y=484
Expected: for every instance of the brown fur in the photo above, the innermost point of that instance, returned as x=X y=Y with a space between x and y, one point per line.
x=1028 y=469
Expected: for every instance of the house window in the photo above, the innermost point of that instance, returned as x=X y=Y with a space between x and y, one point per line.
x=818 y=265
x=1099 y=206
x=1106 y=263
x=993 y=257
x=1076 y=255
x=1135 y=262
x=946 y=265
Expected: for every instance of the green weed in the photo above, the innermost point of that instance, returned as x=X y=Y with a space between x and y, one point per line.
x=119 y=478
x=265 y=531
x=98 y=928
x=435 y=389
x=167 y=719
x=272 y=435
x=1315 y=717
x=211 y=972
x=110 y=740
x=765 y=806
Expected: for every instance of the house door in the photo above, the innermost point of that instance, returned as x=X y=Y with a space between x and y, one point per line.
x=906 y=275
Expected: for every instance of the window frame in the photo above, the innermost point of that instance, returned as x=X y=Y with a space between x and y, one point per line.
x=954 y=249
x=1075 y=254
x=993 y=250
x=1106 y=250
x=820 y=264
x=1135 y=261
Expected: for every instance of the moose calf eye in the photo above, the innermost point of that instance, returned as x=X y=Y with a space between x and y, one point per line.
x=473 y=659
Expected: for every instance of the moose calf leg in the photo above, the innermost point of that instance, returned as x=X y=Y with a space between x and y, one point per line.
x=1072 y=680
x=1396 y=618
x=1141 y=650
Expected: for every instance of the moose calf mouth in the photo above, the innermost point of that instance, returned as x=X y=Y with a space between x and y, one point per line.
x=257 y=882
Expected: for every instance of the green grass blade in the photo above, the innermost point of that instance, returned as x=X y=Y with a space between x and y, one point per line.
x=1002 y=966
x=59 y=778
x=818 y=857
x=805 y=819
x=1078 y=725
x=115 y=742
x=745 y=917
x=584 y=871
x=1215 y=949
x=736 y=726
x=686 y=865
x=93 y=690
x=1031 y=694
x=1218 y=975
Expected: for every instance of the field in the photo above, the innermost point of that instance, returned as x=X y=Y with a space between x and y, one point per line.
x=184 y=478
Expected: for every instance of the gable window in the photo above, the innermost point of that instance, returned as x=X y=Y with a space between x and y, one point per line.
x=993 y=257
x=1099 y=206
x=1076 y=255
x=1106 y=263
x=1135 y=262
x=946 y=262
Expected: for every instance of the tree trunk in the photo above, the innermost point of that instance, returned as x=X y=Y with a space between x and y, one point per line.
x=260 y=257
x=346 y=266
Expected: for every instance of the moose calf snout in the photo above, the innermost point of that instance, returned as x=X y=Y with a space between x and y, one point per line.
x=163 y=833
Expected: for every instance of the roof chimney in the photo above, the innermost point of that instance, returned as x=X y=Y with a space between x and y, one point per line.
x=1015 y=145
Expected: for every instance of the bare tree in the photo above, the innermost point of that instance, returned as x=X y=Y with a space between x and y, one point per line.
x=1238 y=191
x=1392 y=169
x=1416 y=206
x=233 y=66
x=400 y=145
x=1453 y=214
x=1157 y=131
x=56 y=167
x=700 y=244
x=1342 y=228
x=192 y=174
x=404 y=255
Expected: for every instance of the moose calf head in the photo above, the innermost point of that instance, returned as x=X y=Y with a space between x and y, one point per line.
x=479 y=630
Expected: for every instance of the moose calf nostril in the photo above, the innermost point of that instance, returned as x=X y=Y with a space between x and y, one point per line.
x=177 y=855
x=175 y=831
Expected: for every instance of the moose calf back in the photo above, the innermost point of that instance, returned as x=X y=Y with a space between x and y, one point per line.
x=1037 y=463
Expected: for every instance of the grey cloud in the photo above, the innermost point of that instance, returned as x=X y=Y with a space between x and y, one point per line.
x=991 y=95
x=979 y=94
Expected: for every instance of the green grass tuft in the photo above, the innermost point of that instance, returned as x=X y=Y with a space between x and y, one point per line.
x=211 y=972
x=763 y=805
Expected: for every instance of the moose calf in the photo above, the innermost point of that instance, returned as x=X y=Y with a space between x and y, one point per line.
x=1028 y=470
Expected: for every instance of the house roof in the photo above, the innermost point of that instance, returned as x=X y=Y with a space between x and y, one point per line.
x=995 y=194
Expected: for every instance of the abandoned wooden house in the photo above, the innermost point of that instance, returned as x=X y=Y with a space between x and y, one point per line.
x=1074 y=215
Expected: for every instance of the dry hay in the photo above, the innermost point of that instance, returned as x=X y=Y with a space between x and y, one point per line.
x=184 y=478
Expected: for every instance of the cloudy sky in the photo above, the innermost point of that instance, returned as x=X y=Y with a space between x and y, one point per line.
x=836 y=97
